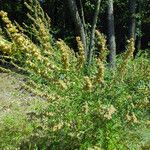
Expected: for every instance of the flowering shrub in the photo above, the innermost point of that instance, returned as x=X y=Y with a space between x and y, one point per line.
x=94 y=111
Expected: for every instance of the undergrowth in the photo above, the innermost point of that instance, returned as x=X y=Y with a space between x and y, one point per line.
x=100 y=110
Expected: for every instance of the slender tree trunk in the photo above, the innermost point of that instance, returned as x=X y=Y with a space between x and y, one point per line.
x=132 y=21
x=139 y=37
x=111 y=35
x=82 y=15
x=92 y=36
x=78 y=22
x=84 y=24
x=139 y=26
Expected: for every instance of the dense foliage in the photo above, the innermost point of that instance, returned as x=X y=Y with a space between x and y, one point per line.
x=58 y=12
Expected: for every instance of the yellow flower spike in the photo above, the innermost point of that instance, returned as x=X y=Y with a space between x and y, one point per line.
x=65 y=56
x=101 y=44
x=5 y=46
x=147 y=123
x=110 y=111
x=39 y=58
x=134 y=118
x=43 y=35
x=100 y=74
x=128 y=117
x=62 y=84
x=36 y=54
x=81 y=56
x=87 y=83
x=3 y=14
x=127 y=56
x=12 y=30
x=29 y=48
x=46 y=60
x=9 y=25
x=20 y=39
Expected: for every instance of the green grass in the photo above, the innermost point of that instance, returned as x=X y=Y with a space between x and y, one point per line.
x=15 y=107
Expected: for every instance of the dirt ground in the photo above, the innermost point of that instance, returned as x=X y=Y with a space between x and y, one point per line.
x=11 y=94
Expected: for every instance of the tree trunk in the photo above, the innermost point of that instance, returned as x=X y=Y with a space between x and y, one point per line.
x=92 y=36
x=139 y=37
x=82 y=15
x=78 y=22
x=132 y=21
x=139 y=26
x=83 y=22
x=111 y=35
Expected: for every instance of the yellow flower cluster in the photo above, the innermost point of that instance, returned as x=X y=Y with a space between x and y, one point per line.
x=148 y=123
x=132 y=118
x=86 y=107
x=40 y=26
x=100 y=74
x=29 y=48
x=6 y=48
x=11 y=28
x=128 y=55
x=57 y=126
x=102 y=47
x=62 y=84
x=64 y=53
x=110 y=111
x=81 y=57
x=44 y=36
x=87 y=83
x=130 y=49
x=106 y=112
x=19 y=39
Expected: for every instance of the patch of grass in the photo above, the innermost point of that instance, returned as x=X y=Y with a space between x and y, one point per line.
x=16 y=125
